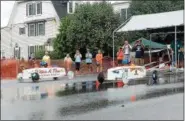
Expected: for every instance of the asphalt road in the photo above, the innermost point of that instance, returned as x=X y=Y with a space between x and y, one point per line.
x=161 y=108
x=26 y=103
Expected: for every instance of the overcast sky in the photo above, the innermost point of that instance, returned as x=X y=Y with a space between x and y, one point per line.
x=6 y=9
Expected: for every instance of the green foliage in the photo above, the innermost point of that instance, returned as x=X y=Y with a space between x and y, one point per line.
x=138 y=7
x=54 y=55
x=61 y=45
x=91 y=26
x=39 y=54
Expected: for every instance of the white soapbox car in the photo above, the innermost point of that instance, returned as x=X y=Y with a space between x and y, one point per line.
x=36 y=74
x=126 y=73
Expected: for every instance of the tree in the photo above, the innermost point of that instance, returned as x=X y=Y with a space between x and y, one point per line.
x=147 y=7
x=61 y=45
x=91 y=26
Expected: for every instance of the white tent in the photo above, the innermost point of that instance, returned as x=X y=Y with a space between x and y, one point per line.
x=153 y=21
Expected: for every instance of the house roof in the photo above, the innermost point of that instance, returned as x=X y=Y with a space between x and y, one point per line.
x=152 y=21
x=119 y=2
x=60 y=8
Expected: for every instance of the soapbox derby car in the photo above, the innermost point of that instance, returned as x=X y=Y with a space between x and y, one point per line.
x=129 y=74
x=126 y=73
x=36 y=74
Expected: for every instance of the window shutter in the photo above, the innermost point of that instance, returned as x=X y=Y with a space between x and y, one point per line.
x=19 y=31
x=19 y=53
x=34 y=9
x=40 y=7
x=28 y=30
x=26 y=9
x=44 y=29
x=28 y=51
x=36 y=29
x=24 y=30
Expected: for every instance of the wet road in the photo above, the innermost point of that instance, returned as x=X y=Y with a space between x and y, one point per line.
x=162 y=108
x=56 y=100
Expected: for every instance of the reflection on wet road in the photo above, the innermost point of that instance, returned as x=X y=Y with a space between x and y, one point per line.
x=57 y=101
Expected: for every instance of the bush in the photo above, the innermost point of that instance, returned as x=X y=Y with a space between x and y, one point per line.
x=39 y=54
x=54 y=55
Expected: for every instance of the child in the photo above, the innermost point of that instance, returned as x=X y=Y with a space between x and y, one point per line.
x=68 y=61
x=99 y=61
x=88 y=56
x=78 y=57
x=120 y=56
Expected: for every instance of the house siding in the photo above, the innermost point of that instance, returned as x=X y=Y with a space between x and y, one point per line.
x=23 y=40
x=10 y=35
x=122 y=5
x=48 y=11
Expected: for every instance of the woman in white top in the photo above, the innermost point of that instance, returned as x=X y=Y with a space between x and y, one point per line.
x=127 y=48
x=88 y=56
x=78 y=60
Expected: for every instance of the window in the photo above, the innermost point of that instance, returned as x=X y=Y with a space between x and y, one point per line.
x=36 y=29
x=34 y=49
x=39 y=8
x=33 y=8
x=41 y=29
x=70 y=7
x=123 y=13
x=31 y=29
x=21 y=31
x=30 y=9
x=76 y=5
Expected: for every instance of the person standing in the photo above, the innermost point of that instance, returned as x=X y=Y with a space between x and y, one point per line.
x=32 y=56
x=68 y=62
x=45 y=60
x=178 y=47
x=78 y=60
x=99 y=61
x=120 y=56
x=127 y=48
x=139 y=47
x=88 y=56
x=181 y=57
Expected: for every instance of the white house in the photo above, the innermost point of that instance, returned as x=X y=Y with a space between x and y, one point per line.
x=31 y=25
x=121 y=7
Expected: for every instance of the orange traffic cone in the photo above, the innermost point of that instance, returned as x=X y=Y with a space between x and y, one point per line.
x=133 y=98
x=97 y=84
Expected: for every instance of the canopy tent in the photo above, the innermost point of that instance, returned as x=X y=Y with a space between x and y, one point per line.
x=151 y=44
x=153 y=21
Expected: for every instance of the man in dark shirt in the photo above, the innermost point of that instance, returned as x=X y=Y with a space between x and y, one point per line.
x=139 y=48
x=179 y=48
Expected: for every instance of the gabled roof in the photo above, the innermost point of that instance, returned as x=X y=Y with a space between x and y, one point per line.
x=60 y=7
x=153 y=21
x=119 y=2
